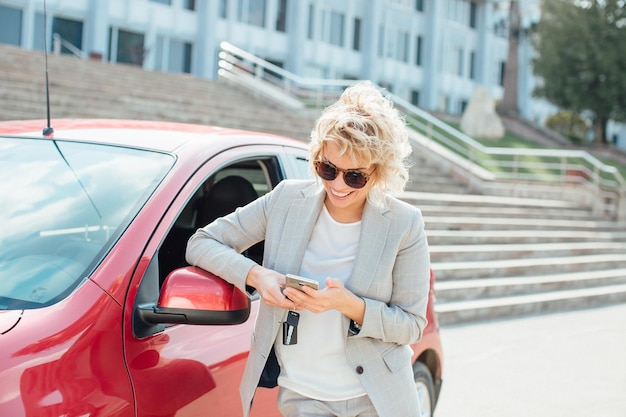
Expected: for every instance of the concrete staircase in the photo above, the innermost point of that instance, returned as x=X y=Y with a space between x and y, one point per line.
x=94 y=89
x=493 y=256
x=500 y=256
x=565 y=267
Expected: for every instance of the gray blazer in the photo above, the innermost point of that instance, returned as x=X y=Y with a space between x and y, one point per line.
x=391 y=273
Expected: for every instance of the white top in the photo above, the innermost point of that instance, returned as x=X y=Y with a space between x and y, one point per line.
x=316 y=366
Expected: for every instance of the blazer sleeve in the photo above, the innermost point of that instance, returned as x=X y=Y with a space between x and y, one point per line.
x=217 y=247
x=396 y=313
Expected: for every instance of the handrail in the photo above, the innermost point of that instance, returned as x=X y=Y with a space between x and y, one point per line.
x=564 y=156
x=58 y=42
x=313 y=92
x=520 y=164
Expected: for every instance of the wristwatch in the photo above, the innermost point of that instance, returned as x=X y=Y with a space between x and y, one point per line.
x=354 y=328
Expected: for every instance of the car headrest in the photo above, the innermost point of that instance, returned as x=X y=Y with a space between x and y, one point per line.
x=224 y=197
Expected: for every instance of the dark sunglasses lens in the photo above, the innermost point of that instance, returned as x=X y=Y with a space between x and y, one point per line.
x=326 y=171
x=354 y=179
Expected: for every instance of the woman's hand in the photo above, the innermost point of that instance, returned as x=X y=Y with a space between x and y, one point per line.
x=269 y=284
x=334 y=297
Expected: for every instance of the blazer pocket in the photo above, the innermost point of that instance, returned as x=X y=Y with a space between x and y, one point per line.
x=398 y=358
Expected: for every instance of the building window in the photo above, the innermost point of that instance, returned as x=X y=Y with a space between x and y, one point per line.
x=70 y=30
x=189 y=5
x=335 y=35
x=167 y=2
x=252 y=12
x=390 y=43
x=501 y=75
x=10 y=26
x=130 y=49
x=459 y=11
x=311 y=21
x=256 y=13
x=39 y=42
x=472 y=65
x=472 y=14
x=459 y=68
x=281 y=16
x=418 y=51
x=402 y=48
x=356 y=38
x=415 y=97
x=223 y=9
x=179 y=57
x=463 y=106
x=419 y=5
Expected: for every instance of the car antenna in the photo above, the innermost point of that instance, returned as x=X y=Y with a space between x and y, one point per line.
x=48 y=131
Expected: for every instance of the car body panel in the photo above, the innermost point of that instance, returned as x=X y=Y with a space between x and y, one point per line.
x=66 y=359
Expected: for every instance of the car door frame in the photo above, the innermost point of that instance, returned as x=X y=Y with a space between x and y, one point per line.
x=164 y=363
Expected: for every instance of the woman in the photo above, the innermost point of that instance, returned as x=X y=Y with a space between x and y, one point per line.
x=367 y=250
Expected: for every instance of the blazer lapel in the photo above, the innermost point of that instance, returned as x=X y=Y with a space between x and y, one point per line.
x=374 y=231
x=299 y=223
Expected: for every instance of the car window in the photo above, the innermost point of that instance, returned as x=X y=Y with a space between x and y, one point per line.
x=63 y=205
x=230 y=187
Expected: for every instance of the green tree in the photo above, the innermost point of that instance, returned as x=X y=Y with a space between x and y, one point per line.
x=581 y=58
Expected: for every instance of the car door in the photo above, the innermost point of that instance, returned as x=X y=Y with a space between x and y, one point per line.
x=187 y=370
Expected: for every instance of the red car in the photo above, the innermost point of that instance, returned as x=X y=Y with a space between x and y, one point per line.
x=99 y=313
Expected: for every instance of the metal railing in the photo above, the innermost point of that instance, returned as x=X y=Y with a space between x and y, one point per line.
x=58 y=43
x=315 y=93
x=603 y=183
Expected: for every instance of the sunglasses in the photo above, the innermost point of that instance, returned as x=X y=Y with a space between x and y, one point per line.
x=353 y=178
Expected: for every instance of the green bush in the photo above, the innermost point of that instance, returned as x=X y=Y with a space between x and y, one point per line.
x=569 y=124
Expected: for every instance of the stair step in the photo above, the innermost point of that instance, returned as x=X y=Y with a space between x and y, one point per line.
x=527 y=266
x=428 y=187
x=467 y=237
x=476 y=289
x=464 y=311
x=470 y=222
x=440 y=237
x=455 y=253
x=504 y=211
x=468 y=199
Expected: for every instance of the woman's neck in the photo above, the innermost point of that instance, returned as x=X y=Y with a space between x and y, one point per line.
x=345 y=215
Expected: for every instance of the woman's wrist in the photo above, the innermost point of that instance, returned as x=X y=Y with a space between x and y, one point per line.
x=355 y=309
x=253 y=274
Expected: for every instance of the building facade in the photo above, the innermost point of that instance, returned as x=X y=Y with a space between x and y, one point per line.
x=432 y=53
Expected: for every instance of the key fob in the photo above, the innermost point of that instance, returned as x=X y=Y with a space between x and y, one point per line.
x=290 y=328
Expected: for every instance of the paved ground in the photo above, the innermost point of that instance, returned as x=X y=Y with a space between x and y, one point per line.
x=567 y=364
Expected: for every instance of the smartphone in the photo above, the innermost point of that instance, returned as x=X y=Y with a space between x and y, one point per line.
x=297 y=282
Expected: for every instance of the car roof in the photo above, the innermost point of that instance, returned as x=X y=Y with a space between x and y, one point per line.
x=148 y=134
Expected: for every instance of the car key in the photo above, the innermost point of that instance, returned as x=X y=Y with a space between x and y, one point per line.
x=290 y=328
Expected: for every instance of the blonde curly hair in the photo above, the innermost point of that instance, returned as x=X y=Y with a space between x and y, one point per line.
x=366 y=126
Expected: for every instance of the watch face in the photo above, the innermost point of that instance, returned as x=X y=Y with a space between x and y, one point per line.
x=355 y=327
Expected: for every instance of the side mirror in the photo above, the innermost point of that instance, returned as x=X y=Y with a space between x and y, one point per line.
x=192 y=295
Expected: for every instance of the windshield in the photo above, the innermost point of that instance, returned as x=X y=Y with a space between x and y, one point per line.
x=62 y=206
